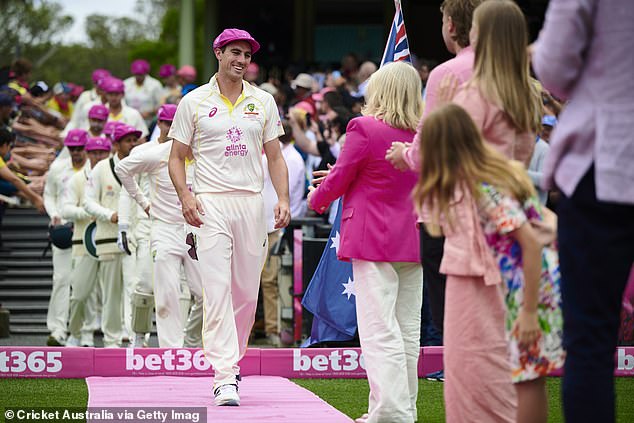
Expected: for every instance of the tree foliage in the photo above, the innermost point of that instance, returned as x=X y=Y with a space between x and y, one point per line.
x=36 y=30
x=26 y=23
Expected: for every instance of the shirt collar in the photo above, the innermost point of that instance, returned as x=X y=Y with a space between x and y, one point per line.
x=247 y=89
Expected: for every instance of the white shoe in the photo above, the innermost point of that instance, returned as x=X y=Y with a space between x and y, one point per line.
x=362 y=419
x=227 y=395
x=87 y=339
x=71 y=341
x=138 y=341
x=273 y=340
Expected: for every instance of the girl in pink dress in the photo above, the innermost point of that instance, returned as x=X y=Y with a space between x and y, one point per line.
x=485 y=206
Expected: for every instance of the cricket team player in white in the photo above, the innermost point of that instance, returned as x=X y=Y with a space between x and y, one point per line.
x=168 y=235
x=58 y=177
x=83 y=278
x=226 y=123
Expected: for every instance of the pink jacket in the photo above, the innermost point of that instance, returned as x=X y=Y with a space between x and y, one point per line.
x=378 y=222
x=466 y=252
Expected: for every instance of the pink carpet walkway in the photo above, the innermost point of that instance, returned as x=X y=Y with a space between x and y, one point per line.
x=263 y=398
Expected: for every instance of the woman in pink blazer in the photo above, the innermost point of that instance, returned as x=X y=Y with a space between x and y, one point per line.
x=379 y=236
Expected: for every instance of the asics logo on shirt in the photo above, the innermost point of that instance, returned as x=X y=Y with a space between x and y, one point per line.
x=213 y=111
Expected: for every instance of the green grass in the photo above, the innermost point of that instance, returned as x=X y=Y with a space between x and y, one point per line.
x=20 y=393
x=350 y=396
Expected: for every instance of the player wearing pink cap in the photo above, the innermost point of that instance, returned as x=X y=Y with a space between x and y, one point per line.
x=171 y=92
x=57 y=179
x=101 y=200
x=167 y=239
x=97 y=117
x=83 y=279
x=86 y=100
x=114 y=89
x=227 y=122
x=142 y=92
x=108 y=129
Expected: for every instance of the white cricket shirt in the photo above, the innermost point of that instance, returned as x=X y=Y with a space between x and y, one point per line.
x=151 y=159
x=226 y=139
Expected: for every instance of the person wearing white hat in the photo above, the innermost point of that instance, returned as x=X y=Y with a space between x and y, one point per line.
x=227 y=122
x=83 y=279
x=57 y=179
x=101 y=200
x=169 y=233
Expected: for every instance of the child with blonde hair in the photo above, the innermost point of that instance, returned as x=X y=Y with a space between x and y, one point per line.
x=489 y=204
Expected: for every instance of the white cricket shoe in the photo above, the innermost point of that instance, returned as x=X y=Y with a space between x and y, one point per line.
x=71 y=341
x=227 y=395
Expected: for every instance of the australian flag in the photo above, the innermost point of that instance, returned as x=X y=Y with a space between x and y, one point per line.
x=330 y=296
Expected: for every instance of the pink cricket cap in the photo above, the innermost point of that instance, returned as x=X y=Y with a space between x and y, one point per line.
x=140 y=67
x=98 y=143
x=99 y=112
x=167 y=70
x=187 y=71
x=122 y=130
x=99 y=74
x=76 y=138
x=230 y=35
x=306 y=106
x=76 y=90
x=167 y=112
x=112 y=85
x=108 y=129
x=320 y=95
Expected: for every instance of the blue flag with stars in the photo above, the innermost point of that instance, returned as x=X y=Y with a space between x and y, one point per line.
x=330 y=296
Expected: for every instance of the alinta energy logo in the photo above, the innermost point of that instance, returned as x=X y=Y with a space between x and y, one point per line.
x=236 y=148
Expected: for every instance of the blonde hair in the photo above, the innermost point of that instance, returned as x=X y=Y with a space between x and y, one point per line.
x=300 y=117
x=454 y=155
x=394 y=96
x=501 y=68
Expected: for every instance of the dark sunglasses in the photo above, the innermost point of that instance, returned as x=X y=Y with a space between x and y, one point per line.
x=191 y=241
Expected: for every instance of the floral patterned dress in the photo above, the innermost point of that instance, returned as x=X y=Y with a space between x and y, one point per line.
x=500 y=215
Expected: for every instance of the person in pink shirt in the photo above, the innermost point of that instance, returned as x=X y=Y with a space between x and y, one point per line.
x=501 y=97
x=584 y=55
x=378 y=234
x=456 y=24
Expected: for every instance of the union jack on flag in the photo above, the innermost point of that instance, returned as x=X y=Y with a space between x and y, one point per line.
x=397 y=47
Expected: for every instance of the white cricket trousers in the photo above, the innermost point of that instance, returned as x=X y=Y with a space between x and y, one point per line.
x=169 y=253
x=137 y=271
x=59 y=304
x=83 y=282
x=389 y=298
x=231 y=246
x=111 y=278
